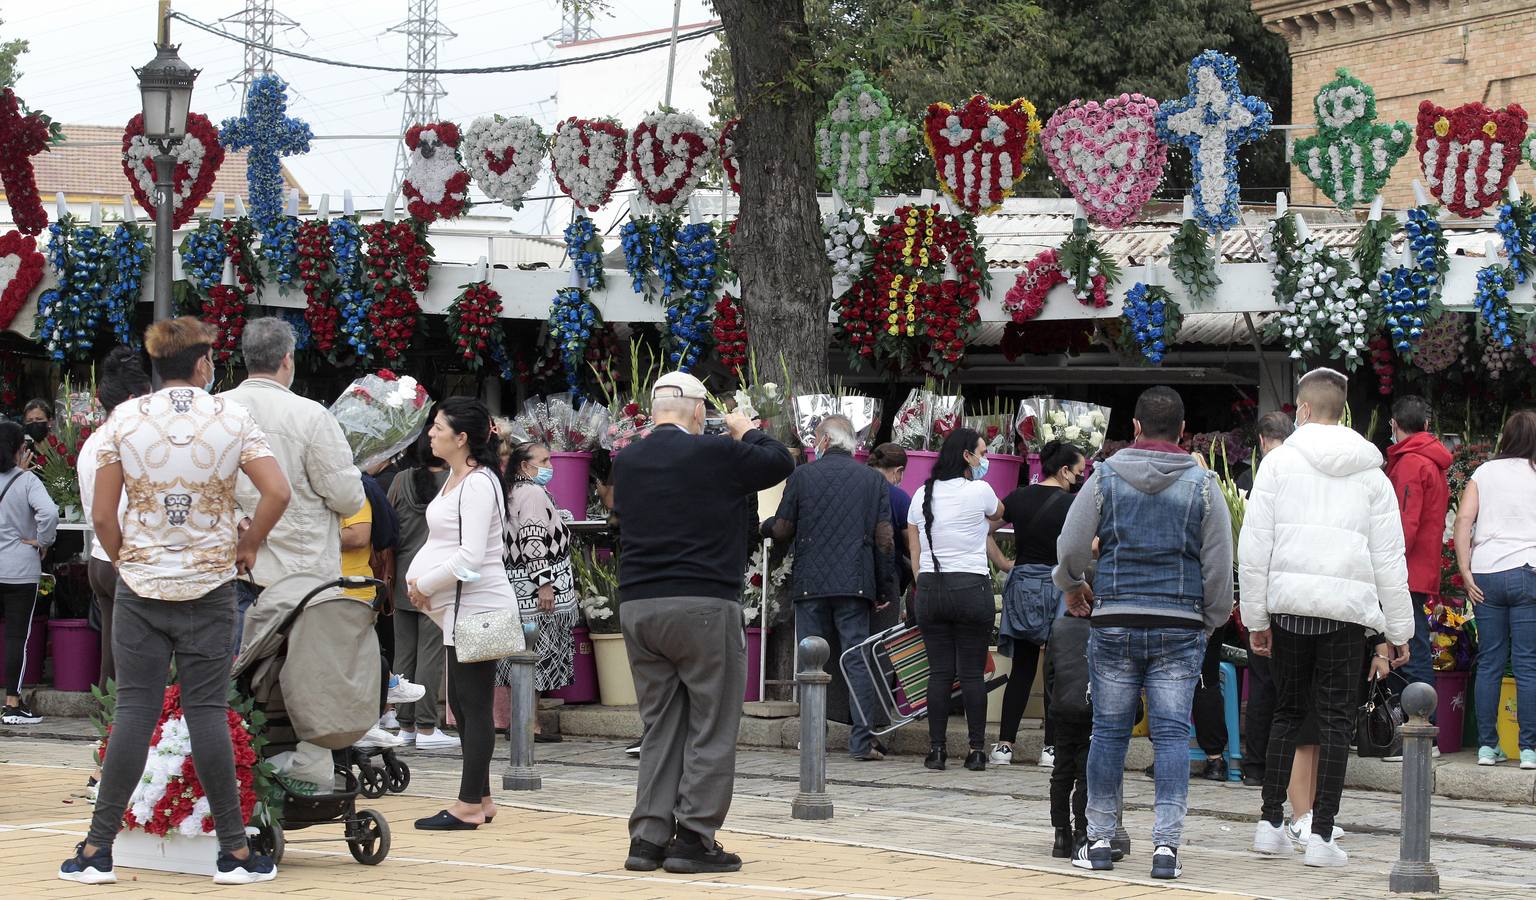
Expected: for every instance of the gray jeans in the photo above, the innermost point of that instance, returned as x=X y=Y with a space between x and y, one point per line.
x=146 y=634
x=419 y=656
x=689 y=658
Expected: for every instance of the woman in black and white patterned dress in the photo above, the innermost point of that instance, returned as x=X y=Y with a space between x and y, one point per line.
x=539 y=565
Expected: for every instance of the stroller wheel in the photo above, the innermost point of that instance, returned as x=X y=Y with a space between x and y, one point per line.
x=368 y=837
x=270 y=841
x=371 y=782
x=397 y=775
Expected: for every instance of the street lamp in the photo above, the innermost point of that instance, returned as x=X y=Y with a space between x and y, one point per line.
x=166 y=87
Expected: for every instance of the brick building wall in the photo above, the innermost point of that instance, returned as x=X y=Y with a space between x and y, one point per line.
x=1449 y=51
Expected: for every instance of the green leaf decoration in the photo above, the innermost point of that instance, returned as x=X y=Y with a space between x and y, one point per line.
x=1193 y=263
x=1371 y=246
x=1351 y=156
x=860 y=140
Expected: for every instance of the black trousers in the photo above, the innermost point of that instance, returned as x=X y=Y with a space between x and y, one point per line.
x=1259 y=717
x=1322 y=672
x=955 y=612
x=384 y=627
x=471 y=688
x=17 y=603
x=1026 y=658
x=1209 y=714
x=1069 y=778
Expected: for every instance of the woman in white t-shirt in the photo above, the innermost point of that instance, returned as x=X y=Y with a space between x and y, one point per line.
x=1496 y=552
x=952 y=514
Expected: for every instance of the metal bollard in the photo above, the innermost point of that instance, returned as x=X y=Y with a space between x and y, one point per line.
x=520 y=774
x=1413 y=872
x=812 y=801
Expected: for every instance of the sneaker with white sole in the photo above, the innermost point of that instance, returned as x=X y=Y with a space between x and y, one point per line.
x=402 y=690
x=1002 y=755
x=254 y=869
x=1093 y=855
x=378 y=737
x=634 y=749
x=88 y=870
x=20 y=714
x=1323 y=853
x=407 y=738
x=389 y=721
x=437 y=740
x=1486 y=756
x=1300 y=830
x=1165 y=863
x=1271 y=840
x=1047 y=757
x=1434 y=753
x=1528 y=758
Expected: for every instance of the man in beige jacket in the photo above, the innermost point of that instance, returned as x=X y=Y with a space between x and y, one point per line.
x=312 y=452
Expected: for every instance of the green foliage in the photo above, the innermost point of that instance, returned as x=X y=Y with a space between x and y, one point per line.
x=1082 y=257
x=1193 y=262
x=10 y=54
x=1371 y=245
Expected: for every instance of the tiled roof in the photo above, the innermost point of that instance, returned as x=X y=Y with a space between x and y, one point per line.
x=90 y=164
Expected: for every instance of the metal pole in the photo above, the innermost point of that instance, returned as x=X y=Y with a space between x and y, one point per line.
x=1413 y=873
x=520 y=774
x=165 y=231
x=677 y=12
x=762 y=627
x=812 y=801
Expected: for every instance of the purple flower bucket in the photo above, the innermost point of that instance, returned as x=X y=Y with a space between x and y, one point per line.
x=1035 y=473
x=569 y=486
x=1450 y=712
x=754 y=663
x=32 y=672
x=1003 y=472
x=583 y=686
x=76 y=654
x=920 y=465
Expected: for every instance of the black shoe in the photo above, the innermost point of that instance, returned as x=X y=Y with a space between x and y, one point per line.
x=1165 y=863
x=542 y=738
x=20 y=714
x=1093 y=856
x=936 y=759
x=1252 y=778
x=644 y=856
x=1120 y=844
x=976 y=760
x=254 y=869
x=688 y=855
x=1150 y=772
x=88 y=870
x=1215 y=770
x=633 y=750
x=445 y=821
x=1064 y=845
x=884 y=750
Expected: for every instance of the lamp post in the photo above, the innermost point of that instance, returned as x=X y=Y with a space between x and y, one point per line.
x=165 y=85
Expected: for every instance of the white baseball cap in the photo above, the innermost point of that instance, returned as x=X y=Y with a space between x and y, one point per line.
x=679 y=384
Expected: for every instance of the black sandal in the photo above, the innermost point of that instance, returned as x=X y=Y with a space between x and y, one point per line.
x=445 y=821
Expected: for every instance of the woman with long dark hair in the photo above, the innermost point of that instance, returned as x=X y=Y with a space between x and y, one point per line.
x=952 y=516
x=459 y=572
x=1496 y=552
x=28 y=521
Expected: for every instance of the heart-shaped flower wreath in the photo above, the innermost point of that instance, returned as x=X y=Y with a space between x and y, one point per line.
x=668 y=154
x=198 y=158
x=504 y=156
x=587 y=157
x=1107 y=154
x=981 y=148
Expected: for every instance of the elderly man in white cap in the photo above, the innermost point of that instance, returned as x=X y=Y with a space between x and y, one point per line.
x=683 y=502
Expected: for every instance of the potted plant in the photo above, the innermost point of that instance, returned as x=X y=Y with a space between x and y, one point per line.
x=597 y=578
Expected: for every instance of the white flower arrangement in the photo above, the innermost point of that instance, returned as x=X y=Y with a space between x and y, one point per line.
x=847 y=248
x=752 y=586
x=1327 y=314
x=668 y=153
x=504 y=156
x=587 y=156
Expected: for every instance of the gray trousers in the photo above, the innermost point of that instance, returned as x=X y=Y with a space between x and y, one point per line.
x=689 y=658
x=419 y=656
x=146 y=634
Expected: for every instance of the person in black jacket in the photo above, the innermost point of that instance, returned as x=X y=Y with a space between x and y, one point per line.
x=1071 y=715
x=838 y=513
x=682 y=501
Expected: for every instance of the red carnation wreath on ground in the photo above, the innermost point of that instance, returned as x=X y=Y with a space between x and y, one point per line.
x=21 y=269
x=198 y=158
x=436 y=183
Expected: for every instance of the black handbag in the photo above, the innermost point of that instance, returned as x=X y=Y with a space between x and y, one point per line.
x=1379 y=723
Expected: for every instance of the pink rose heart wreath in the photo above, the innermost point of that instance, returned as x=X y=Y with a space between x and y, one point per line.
x=1107 y=154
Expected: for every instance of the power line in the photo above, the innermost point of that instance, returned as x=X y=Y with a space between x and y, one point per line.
x=482 y=70
x=261 y=21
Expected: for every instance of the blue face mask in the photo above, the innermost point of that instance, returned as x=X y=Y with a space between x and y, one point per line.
x=979 y=471
x=544 y=476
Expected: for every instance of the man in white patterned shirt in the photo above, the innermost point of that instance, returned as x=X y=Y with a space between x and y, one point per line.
x=175 y=453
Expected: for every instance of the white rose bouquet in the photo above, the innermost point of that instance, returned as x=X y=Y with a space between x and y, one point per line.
x=381 y=415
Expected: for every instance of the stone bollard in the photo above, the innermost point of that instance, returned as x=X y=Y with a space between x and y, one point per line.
x=520 y=774
x=1413 y=873
x=812 y=801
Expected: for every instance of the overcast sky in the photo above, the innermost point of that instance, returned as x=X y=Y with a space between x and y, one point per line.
x=79 y=67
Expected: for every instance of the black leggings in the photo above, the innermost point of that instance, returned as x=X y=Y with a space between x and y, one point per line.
x=1026 y=658
x=384 y=627
x=955 y=612
x=471 y=687
x=18 y=602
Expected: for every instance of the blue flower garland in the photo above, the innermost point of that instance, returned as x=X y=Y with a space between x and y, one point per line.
x=129 y=252
x=270 y=135
x=649 y=252
x=1515 y=227
x=1411 y=296
x=1151 y=321
x=353 y=301
x=636 y=254
x=502 y=362
x=280 y=249
x=572 y=319
x=302 y=338
x=69 y=315
x=1492 y=301
x=688 y=327
x=584 y=248
x=1202 y=115
x=202 y=255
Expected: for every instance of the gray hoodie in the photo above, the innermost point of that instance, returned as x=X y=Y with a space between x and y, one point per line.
x=1150 y=472
x=26 y=513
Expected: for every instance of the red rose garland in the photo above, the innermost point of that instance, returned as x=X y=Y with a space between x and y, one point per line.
x=396 y=261
x=225 y=310
x=1026 y=298
x=730 y=332
x=471 y=318
x=314 y=252
x=21 y=138
x=1381 y=361
x=29 y=271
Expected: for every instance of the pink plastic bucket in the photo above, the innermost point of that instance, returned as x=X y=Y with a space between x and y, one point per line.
x=76 y=654
x=754 y=663
x=919 y=466
x=1003 y=472
x=583 y=686
x=569 y=486
x=1450 y=711
x=37 y=642
x=1035 y=473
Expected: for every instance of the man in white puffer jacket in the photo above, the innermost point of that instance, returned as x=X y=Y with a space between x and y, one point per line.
x=1321 y=566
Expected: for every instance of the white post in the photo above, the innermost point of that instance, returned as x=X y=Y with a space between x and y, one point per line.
x=482 y=269
x=677 y=14
x=1376 y=208
x=347 y=209
x=240 y=212
x=95 y=213
x=1280 y=204
x=1514 y=190
x=130 y=209
x=217 y=213
x=324 y=210
x=229 y=272
x=1301 y=229
x=292 y=209
x=1420 y=198
x=762 y=627
x=60 y=207
x=389 y=206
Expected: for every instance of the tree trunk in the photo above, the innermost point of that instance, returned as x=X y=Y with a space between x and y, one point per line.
x=778 y=248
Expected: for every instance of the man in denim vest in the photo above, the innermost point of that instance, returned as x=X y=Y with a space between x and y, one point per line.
x=1163 y=584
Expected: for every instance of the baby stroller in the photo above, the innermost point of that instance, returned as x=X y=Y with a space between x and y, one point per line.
x=310 y=661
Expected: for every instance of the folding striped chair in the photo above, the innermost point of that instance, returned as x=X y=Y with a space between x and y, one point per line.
x=897 y=661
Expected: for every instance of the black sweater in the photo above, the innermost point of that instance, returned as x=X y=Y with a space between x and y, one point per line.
x=685 y=505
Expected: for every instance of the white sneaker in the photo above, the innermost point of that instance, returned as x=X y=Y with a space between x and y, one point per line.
x=378 y=737
x=402 y=690
x=408 y=738
x=1323 y=853
x=1270 y=840
x=437 y=740
x=389 y=721
x=1002 y=755
x=1300 y=830
x=1434 y=753
x=1048 y=757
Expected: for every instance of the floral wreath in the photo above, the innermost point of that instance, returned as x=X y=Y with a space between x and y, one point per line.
x=1026 y=298
x=730 y=332
x=1442 y=343
x=668 y=153
x=1351 y=156
x=67 y=314
x=1151 y=321
x=728 y=160
x=395 y=265
x=1193 y=262
x=472 y=317
x=981 y=148
x=688 y=327
x=584 y=248
x=1090 y=268
x=23 y=134
x=1212 y=121
x=650 y=255
x=1469 y=153
x=280 y=251
x=1492 y=301
x=1107 y=154
x=1325 y=312
x=860 y=140
x=129 y=249
x=21 y=269
x=198 y=157
x=313 y=249
x=1411 y=296
x=224 y=309
x=847 y=249
x=1515 y=229
x=587 y=157
x=504 y=156
x=572 y=319
x=435 y=183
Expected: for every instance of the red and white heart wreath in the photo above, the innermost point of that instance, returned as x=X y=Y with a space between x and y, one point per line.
x=505 y=155
x=198 y=158
x=981 y=148
x=668 y=154
x=587 y=157
x=21 y=268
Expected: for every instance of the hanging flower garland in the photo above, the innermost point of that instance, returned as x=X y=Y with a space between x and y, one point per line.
x=1151 y=321
x=1213 y=121
x=23 y=135
x=1351 y=156
x=1090 y=269
x=981 y=148
x=1499 y=358
x=69 y=315
x=688 y=329
x=728 y=155
x=1326 y=314
x=1492 y=301
x=587 y=157
x=572 y=319
x=584 y=248
x=1193 y=262
x=1410 y=296
x=860 y=140
x=668 y=153
x=353 y=298
x=1026 y=298
x=1515 y=229
x=651 y=255
x=224 y=309
x=312 y=247
x=1107 y=154
x=1441 y=344
x=504 y=156
x=730 y=332
x=198 y=157
x=1468 y=153
x=435 y=183
x=279 y=248
x=129 y=249
x=202 y=255
x=394 y=265
x=472 y=316
x=847 y=249
x=21 y=269
x=1381 y=362
x=303 y=337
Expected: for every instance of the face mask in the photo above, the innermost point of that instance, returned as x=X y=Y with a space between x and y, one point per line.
x=37 y=431
x=544 y=476
x=979 y=471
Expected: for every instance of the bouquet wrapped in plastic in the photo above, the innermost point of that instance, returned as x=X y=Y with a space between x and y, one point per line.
x=864 y=414
x=926 y=418
x=809 y=410
x=1041 y=420
x=381 y=415
x=995 y=425
x=562 y=424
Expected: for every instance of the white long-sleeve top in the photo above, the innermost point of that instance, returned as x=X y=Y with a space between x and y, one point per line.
x=467 y=541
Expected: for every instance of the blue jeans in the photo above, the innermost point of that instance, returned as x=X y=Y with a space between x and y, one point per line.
x=843 y=622
x=1165 y=662
x=1506 y=630
x=246 y=593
